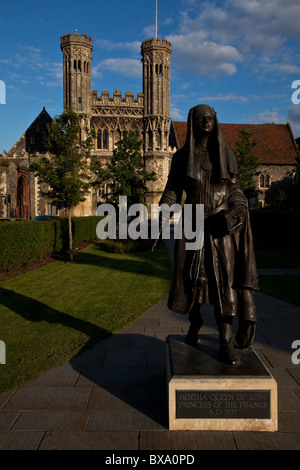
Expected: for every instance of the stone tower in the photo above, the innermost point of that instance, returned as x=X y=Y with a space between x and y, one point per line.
x=156 y=89
x=77 y=73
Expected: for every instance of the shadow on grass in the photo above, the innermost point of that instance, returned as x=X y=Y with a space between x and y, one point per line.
x=130 y=377
x=155 y=264
x=134 y=378
x=34 y=311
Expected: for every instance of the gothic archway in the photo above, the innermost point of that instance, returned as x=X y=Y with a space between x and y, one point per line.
x=22 y=209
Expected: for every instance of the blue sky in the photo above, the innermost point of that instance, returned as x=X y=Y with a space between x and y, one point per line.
x=240 y=56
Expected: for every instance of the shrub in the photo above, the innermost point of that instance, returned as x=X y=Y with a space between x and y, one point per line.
x=275 y=227
x=128 y=246
x=25 y=243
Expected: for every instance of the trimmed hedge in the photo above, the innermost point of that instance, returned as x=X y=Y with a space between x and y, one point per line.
x=25 y=243
x=276 y=227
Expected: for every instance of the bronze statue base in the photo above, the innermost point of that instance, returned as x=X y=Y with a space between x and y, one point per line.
x=206 y=394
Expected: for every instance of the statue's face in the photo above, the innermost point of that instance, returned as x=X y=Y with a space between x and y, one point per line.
x=203 y=121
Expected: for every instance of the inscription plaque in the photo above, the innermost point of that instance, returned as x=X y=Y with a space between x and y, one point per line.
x=223 y=404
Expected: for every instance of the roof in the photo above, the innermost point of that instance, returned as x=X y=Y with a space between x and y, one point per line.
x=37 y=131
x=275 y=143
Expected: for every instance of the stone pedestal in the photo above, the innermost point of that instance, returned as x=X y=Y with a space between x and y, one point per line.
x=205 y=394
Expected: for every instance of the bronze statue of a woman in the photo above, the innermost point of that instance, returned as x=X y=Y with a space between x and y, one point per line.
x=223 y=272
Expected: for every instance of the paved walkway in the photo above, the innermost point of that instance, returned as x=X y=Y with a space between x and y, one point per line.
x=114 y=397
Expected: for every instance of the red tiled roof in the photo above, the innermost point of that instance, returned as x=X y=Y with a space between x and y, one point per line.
x=274 y=142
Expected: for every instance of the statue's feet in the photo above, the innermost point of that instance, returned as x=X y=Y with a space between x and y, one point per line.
x=228 y=356
x=245 y=334
x=192 y=337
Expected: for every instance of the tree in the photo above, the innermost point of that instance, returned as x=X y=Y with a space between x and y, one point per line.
x=247 y=161
x=66 y=170
x=125 y=173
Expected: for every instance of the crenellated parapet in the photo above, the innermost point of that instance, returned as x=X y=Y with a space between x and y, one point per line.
x=156 y=43
x=76 y=39
x=117 y=105
x=117 y=99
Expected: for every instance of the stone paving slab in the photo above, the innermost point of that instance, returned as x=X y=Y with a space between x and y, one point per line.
x=123 y=421
x=187 y=440
x=16 y=440
x=49 y=398
x=267 y=440
x=57 y=377
x=7 y=419
x=92 y=440
x=52 y=421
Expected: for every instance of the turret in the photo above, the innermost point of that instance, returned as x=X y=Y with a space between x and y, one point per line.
x=77 y=71
x=156 y=88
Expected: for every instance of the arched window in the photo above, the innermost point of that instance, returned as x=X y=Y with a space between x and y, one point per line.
x=267 y=181
x=264 y=181
x=99 y=139
x=105 y=139
x=75 y=65
x=118 y=135
x=295 y=177
x=261 y=181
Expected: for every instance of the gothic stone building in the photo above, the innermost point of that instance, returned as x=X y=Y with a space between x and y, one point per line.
x=147 y=114
x=19 y=189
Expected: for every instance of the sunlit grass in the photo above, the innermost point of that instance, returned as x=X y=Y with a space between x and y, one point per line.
x=55 y=312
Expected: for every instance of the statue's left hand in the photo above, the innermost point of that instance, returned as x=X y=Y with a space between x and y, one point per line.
x=235 y=219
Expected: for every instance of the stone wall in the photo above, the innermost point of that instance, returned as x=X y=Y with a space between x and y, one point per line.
x=278 y=180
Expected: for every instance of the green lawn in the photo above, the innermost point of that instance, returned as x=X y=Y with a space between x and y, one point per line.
x=55 y=312
x=277 y=257
x=283 y=287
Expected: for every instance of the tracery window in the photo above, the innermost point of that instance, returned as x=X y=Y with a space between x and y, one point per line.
x=105 y=139
x=99 y=139
x=264 y=181
x=102 y=139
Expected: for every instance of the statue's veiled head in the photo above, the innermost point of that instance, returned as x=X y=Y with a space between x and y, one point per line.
x=202 y=119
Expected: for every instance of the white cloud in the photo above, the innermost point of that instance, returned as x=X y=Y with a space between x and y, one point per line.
x=255 y=29
x=276 y=66
x=267 y=116
x=108 y=45
x=149 y=31
x=45 y=72
x=127 y=67
x=228 y=97
x=192 y=54
x=294 y=119
x=176 y=114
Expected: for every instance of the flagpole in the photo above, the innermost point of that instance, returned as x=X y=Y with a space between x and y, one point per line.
x=156 y=22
